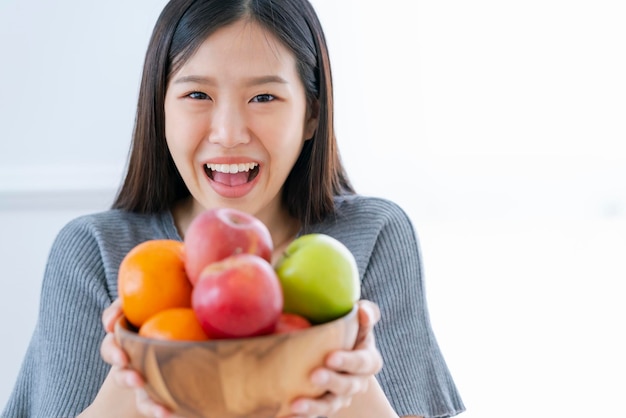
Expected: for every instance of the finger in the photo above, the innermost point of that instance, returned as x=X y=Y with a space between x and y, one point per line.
x=111 y=314
x=127 y=378
x=368 y=315
x=325 y=405
x=112 y=353
x=363 y=361
x=371 y=309
x=146 y=406
x=340 y=384
x=368 y=342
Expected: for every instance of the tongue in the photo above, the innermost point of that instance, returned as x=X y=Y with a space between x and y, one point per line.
x=235 y=179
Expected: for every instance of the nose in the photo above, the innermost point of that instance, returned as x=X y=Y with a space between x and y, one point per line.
x=228 y=125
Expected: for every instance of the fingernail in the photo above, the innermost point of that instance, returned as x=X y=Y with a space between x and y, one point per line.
x=299 y=407
x=369 y=311
x=130 y=380
x=320 y=377
x=118 y=359
x=106 y=318
x=335 y=361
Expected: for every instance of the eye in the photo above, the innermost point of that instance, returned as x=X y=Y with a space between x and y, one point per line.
x=198 y=95
x=262 y=98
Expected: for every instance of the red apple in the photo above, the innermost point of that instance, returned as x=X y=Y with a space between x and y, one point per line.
x=239 y=296
x=289 y=322
x=219 y=233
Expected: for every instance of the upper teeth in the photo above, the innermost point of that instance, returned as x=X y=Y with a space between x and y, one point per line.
x=232 y=168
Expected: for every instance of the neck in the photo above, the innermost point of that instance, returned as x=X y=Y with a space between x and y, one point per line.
x=283 y=238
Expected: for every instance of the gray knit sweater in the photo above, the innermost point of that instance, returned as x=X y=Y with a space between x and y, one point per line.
x=62 y=370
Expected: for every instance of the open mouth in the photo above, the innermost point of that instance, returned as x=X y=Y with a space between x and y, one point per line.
x=232 y=174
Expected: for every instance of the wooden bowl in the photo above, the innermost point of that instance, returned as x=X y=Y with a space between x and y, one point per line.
x=250 y=377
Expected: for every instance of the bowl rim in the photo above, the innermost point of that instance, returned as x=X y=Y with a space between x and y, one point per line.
x=121 y=329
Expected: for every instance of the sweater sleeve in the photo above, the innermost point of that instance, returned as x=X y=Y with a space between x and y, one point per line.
x=414 y=376
x=62 y=370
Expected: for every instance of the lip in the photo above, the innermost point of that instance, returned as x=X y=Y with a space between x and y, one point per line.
x=231 y=160
x=232 y=192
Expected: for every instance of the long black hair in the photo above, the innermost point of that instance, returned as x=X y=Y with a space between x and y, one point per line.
x=152 y=182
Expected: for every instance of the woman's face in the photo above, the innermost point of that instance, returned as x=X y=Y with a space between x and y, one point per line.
x=236 y=119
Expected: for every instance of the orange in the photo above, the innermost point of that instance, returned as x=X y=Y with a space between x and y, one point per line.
x=174 y=324
x=152 y=278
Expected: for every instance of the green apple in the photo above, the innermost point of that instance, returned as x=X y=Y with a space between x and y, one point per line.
x=319 y=278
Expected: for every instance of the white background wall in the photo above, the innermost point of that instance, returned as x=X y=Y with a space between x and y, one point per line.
x=498 y=126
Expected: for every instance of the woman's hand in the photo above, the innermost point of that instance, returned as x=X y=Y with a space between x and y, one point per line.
x=123 y=375
x=346 y=373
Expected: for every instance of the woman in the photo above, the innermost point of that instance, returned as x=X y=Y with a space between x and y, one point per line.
x=235 y=109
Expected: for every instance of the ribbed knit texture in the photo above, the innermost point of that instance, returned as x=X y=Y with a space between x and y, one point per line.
x=63 y=371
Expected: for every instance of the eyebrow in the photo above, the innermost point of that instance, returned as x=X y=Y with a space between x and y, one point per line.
x=253 y=81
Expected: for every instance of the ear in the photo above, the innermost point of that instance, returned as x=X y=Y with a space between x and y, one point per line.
x=312 y=120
